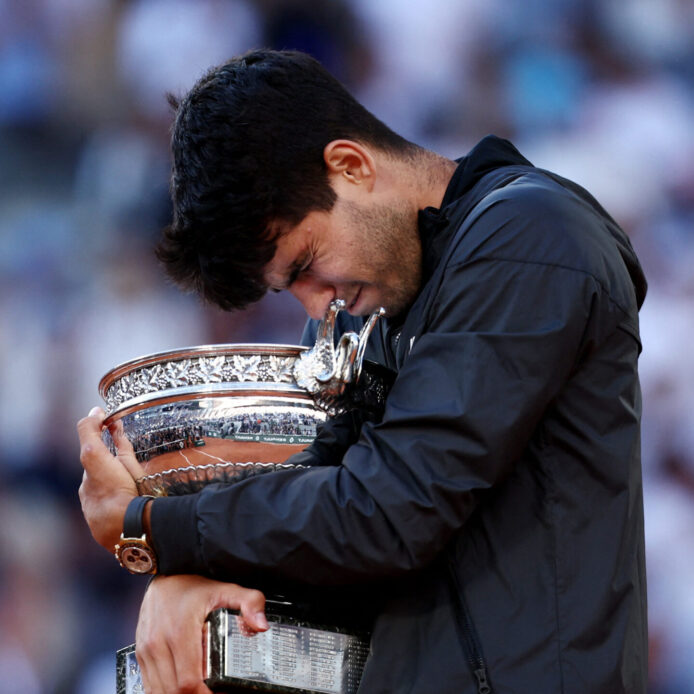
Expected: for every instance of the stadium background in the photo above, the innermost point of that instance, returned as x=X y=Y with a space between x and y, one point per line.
x=598 y=90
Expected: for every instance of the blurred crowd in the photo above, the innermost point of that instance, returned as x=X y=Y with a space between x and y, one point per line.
x=601 y=91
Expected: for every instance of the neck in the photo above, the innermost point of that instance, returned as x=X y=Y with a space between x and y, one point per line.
x=428 y=176
x=420 y=177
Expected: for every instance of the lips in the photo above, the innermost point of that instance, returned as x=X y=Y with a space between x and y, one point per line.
x=354 y=301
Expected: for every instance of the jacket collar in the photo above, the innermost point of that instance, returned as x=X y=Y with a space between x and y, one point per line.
x=490 y=153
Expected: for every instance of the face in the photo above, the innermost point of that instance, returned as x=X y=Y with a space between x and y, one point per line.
x=367 y=255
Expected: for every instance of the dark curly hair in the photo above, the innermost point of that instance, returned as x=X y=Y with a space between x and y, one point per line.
x=247 y=144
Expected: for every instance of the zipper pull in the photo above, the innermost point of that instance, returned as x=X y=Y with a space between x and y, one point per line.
x=482 y=682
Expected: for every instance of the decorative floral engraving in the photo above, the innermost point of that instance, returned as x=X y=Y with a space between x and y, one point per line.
x=212 y=369
x=194 y=374
x=306 y=372
x=177 y=373
x=200 y=370
x=140 y=383
x=111 y=400
x=157 y=377
x=281 y=369
x=245 y=368
x=126 y=385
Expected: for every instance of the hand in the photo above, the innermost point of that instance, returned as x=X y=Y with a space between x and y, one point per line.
x=170 y=629
x=108 y=483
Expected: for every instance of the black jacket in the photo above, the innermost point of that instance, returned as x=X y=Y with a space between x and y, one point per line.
x=500 y=497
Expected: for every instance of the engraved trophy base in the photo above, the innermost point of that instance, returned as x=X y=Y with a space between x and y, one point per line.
x=293 y=656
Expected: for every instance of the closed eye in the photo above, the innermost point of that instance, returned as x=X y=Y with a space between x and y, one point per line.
x=297 y=268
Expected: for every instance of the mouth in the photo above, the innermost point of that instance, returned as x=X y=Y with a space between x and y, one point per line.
x=354 y=301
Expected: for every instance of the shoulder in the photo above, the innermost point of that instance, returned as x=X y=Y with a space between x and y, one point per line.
x=532 y=217
x=541 y=219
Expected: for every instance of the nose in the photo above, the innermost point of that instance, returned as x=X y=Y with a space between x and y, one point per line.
x=314 y=296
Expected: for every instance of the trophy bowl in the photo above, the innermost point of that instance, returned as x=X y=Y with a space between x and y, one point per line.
x=220 y=413
x=214 y=413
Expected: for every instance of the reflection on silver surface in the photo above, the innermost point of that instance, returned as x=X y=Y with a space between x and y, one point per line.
x=178 y=425
x=184 y=445
x=128 y=680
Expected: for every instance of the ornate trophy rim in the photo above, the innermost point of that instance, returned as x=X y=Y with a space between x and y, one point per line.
x=199 y=372
x=196 y=351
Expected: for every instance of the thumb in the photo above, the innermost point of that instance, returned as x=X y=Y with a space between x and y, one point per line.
x=251 y=605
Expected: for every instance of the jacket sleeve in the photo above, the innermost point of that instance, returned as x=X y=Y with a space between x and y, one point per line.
x=500 y=339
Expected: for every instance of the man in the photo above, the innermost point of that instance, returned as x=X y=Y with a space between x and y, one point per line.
x=499 y=498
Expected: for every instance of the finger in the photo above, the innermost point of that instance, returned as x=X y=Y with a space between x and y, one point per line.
x=251 y=605
x=149 y=676
x=104 y=473
x=157 y=669
x=120 y=439
x=102 y=468
x=126 y=453
x=97 y=412
x=187 y=657
x=157 y=665
x=243 y=628
x=82 y=491
x=148 y=685
x=92 y=448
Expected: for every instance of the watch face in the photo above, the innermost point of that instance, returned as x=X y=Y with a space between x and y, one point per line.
x=135 y=556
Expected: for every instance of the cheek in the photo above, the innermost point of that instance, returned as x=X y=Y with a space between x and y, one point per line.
x=346 y=266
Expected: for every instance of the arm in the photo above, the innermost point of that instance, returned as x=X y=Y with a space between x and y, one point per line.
x=500 y=342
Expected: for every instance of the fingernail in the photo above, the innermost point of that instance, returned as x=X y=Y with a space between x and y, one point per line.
x=94 y=411
x=261 y=620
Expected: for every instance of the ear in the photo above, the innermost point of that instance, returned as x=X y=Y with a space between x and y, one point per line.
x=350 y=160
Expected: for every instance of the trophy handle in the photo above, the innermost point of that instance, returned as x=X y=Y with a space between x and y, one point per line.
x=326 y=371
x=323 y=352
x=364 y=334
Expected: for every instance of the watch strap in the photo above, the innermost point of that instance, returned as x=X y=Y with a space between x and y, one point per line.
x=132 y=522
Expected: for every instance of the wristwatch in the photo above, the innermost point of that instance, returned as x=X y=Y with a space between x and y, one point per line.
x=133 y=551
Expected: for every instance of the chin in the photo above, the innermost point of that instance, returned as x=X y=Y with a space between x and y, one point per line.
x=398 y=310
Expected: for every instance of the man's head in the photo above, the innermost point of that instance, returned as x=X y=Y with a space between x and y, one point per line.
x=261 y=146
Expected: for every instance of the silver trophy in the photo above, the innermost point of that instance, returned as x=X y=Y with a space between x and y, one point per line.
x=220 y=413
